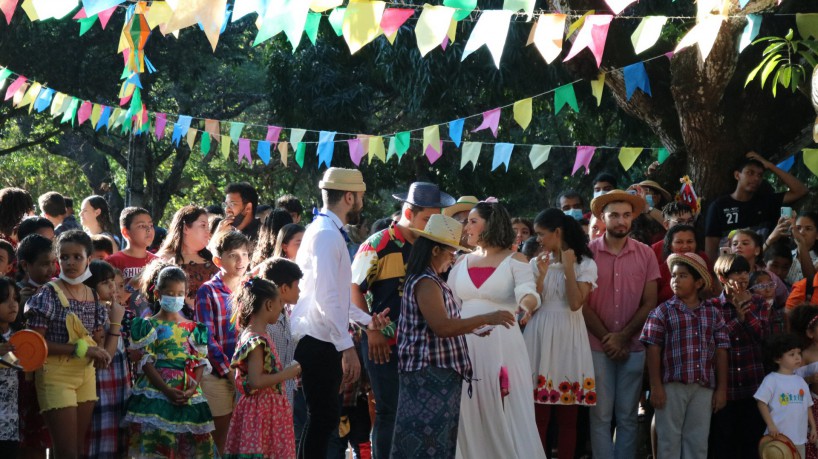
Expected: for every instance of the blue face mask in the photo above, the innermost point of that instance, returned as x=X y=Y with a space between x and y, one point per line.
x=576 y=214
x=172 y=303
x=649 y=198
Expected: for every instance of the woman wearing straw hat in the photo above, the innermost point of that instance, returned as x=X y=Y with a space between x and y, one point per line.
x=497 y=420
x=432 y=356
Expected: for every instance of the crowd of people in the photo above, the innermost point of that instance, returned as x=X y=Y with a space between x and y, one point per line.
x=448 y=329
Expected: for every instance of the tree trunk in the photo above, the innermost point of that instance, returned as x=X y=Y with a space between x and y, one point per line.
x=135 y=175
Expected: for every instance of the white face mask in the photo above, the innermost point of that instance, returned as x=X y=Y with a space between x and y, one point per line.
x=599 y=193
x=770 y=301
x=77 y=280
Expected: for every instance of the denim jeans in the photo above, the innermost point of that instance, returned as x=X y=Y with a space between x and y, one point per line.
x=618 y=387
x=385 y=387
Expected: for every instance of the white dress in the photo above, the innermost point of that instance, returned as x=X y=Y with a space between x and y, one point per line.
x=492 y=426
x=557 y=341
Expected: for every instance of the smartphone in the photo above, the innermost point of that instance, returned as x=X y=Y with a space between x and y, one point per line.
x=786 y=212
x=725 y=251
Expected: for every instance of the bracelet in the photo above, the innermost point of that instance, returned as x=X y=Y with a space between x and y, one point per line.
x=81 y=349
x=115 y=323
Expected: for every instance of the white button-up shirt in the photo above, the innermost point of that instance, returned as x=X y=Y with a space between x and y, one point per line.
x=325 y=307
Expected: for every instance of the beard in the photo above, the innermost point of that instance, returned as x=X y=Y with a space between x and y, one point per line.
x=618 y=233
x=354 y=214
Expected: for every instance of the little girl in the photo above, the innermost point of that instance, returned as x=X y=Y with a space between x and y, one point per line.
x=9 y=420
x=168 y=415
x=262 y=423
x=804 y=322
x=106 y=437
x=67 y=312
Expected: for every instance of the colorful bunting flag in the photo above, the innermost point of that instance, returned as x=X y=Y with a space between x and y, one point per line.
x=456 y=131
x=584 y=156
x=810 y=158
x=212 y=128
x=235 y=131
x=807 y=24
x=636 y=77
x=491 y=30
x=433 y=155
x=263 y=151
x=356 y=152
x=432 y=26
x=295 y=140
x=547 y=35
x=104 y=118
x=84 y=112
x=376 y=148
x=491 y=120
x=647 y=33
x=787 y=164
x=244 y=151
x=191 y=137
x=161 y=121
x=627 y=156
x=663 y=155
x=431 y=138
x=526 y=6
x=470 y=154
x=617 y=6
x=283 y=146
x=597 y=87
x=225 y=148
x=565 y=95
x=704 y=34
x=326 y=146
x=336 y=20
x=300 y=151
x=180 y=128
x=273 y=133
x=539 y=154
x=391 y=150
x=522 y=112
x=362 y=23
x=15 y=86
x=502 y=155
x=592 y=36
x=393 y=19
x=7 y=7
x=750 y=31
x=204 y=145
x=401 y=143
x=464 y=7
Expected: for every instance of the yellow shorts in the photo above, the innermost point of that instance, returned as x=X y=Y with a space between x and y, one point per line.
x=64 y=382
x=220 y=394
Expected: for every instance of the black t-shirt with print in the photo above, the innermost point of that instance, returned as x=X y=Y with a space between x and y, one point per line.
x=761 y=214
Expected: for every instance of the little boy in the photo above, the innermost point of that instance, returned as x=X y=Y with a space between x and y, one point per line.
x=231 y=254
x=7 y=258
x=784 y=399
x=37 y=262
x=687 y=347
x=136 y=226
x=102 y=246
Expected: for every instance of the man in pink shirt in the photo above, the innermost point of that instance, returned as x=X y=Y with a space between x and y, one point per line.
x=616 y=311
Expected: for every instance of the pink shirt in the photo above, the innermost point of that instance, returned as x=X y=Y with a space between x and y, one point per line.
x=622 y=279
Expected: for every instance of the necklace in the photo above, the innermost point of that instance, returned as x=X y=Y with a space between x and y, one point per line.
x=70 y=294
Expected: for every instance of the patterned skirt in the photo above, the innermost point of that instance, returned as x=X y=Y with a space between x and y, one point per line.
x=812 y=451
x=427 y=429
x=261 y=427
x=106 y=436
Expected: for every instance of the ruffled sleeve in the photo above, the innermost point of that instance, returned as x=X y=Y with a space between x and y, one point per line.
x=586 y=272
x=41 y=308
x=142 y=333
x=198 y=340
x=245 y=348
x=523 y=281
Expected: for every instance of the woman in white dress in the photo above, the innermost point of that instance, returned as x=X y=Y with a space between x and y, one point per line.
x=555 y=335
x=496 y=413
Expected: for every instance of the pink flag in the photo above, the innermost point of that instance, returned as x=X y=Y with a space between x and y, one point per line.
x=491 y=119
x=393 y=18
x=20 y=81
x=584 y=155
x=445 y=43
x=592 y=36
x=432 y=154
x=161 y=121
x=80 y=14
x=244 y=151
x=105 y=15
x=84 y=112
x=272 y=134
x=355 y=151
x=8 y=7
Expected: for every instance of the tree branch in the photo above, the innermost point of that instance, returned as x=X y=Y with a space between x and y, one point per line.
x=31 y=143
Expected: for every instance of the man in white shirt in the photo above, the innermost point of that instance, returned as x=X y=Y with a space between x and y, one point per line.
x=320 y=319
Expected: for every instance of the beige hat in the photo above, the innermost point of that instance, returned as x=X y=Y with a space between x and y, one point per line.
x=444 y=230
x=651 y=184
x=337 y=178
x=694 y=261
x=600 y=202
x=463 y=203
x=780 y=447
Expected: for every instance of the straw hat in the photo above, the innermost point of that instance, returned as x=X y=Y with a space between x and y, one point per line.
x=464 y=203
x=657 y=187
x=694 y=261
x=444 y=230
x=600 y=202
x=779 y=447
x=426 y=195
x=337 y=178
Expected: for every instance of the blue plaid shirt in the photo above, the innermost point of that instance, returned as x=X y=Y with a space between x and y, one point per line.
x=213 y=308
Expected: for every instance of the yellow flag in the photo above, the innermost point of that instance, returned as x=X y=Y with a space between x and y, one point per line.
x=115 y=119
x=704 y=34
x=225 y=147
x=362 y=23
x=96 y=113
x=578 y=23
x=191 y=137
x=627 y=156
x=376 y=149
x=31 y=96
x=159 y=13
x=319 y=6
x=811 y=159
x=647 y=33
x=432 y=26
x=452 y=32
x=522 y=112
x=28 y=7
x=58 y=104
x=597 y=86
x=431 y=136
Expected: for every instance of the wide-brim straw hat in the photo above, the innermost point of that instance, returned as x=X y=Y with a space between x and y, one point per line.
x=444 y=230
x=694 y=261
x=463 y=203
x=337 y=178
x=426 y=195
x=600 y=202
x=651 y=184
x=780 y=447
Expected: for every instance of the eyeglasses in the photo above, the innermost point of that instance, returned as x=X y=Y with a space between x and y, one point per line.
x=764 y=286
x=230 y=204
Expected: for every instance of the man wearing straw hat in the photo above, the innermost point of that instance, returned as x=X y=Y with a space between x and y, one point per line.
x=320 y=319
x=378 y=271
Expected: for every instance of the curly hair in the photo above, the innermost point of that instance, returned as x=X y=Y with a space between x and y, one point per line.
x=498 y=231
x=249 y=298
x=172 y=245
x=15 y=203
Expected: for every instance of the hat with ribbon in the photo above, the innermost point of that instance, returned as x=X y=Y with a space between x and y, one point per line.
x=463 y=204
x=444 y=230
x=426 y=195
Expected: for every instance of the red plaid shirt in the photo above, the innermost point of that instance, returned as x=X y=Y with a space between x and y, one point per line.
x=213 y=308
x=689 y=339
x=745 y=368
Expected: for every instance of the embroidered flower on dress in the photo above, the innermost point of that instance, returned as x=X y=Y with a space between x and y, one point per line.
x=590 y=398
x=553 y=396
x=588 y=384
x=540 y=381
x=565 y=386
x=567 y=398
x=575 y=387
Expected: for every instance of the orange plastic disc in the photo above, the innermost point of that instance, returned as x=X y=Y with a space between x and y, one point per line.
x=30 y=347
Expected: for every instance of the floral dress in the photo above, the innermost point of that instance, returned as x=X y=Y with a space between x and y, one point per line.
x=158 y=427
x=262 y=422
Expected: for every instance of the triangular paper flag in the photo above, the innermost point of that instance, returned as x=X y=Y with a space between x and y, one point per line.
x=212 y=128
x=225 y=148
x=319 y=6
x=336 y=20
x=356 y=152
x=205 y=143
x=539 y=154
x=311 y=26
x=13 y=87
x=235 y=131
x=787 y=164
x=244 y=151
x=491 y=120
x=326 y=146
x=456 y=131
x=376 y=149
x=31 y=96
x=71 y=112
x=180 y=128
x=527 y=6
x=105 y=16
x=393 y=18
x=647 y=33
x=283 y=146
x=627 y=156
x=565 y=95
x=8 y=6
x=597 y=87
x=432 y=26
x=44 y=99
x=161 y=121
x=491 y=30
x=431 y=138
x=464 y=7
x=432 y=154
x=273 y=133
x=391 y=149
x=401 y=143
x=95 y=113
x=470 y=154
x=807 y=24
x=618 y=5
x=592 y=36
x=522 y=112
x=636 y=77
x=704 y=34
x=93 y=7
x=584 y=155
x=663 y=155
x=550 y=29
x=300 y=153
x=750 y=31
x=362 y=23
x=502 y=155
x=84 y=112
x=263 y=151
x=191 y=137
x=104 y=117
x=295 y=137
x=810 y=158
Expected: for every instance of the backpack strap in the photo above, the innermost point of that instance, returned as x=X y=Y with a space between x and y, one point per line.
x=60 y=294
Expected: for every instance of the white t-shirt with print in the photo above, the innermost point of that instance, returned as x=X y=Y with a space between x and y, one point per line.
x=789 y=400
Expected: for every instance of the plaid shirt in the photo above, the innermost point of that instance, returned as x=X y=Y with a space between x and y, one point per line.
x=213 y=308
x=106 y=437
x=689 y=338
x=745 y=368
x=418 y=346
x=44 y=310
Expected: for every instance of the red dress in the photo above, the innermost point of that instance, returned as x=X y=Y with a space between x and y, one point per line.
x=262 y=422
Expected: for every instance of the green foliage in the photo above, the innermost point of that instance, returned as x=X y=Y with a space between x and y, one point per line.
x=783 y=59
